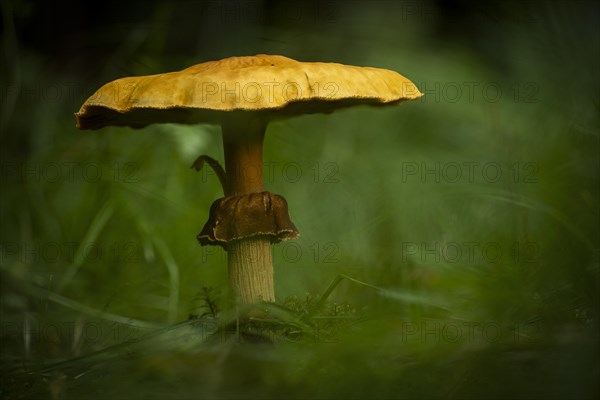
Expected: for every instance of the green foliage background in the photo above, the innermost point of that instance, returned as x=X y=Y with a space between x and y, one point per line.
x=465 y=224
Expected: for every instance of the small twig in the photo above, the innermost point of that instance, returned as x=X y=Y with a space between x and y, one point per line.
x=214 y=164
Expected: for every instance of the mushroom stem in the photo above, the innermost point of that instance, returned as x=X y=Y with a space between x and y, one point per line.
x=250 y=266
x=249 y=260
x=243 y=147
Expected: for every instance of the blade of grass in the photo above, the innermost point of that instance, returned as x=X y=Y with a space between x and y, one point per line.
x=519 y=200
x=76 y=306
x=408 y=297
x=393 y=294
x=331 y=288
x=326 y=294
x=91 y=235
x=173 y=270
x=552 y=212
x=139 y=340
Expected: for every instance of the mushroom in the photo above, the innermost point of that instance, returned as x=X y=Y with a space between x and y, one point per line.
x=243 y=94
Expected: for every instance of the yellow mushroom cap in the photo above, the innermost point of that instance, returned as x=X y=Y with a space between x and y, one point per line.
x=272 y=85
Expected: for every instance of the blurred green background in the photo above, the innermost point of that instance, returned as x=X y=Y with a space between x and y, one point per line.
x=472 y=213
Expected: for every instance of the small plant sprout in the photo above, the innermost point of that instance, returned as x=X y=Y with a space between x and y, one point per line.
x=242 y=94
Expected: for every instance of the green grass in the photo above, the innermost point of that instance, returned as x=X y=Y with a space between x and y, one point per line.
x=420 y=272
